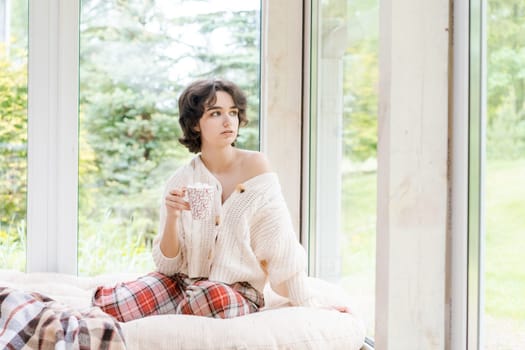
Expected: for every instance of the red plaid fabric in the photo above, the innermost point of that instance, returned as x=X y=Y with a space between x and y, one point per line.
x=155 y=294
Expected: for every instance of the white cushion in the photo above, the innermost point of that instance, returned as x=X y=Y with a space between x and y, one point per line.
x=278 y=326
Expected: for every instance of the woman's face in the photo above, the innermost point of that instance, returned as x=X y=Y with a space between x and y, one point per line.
x=220 y=122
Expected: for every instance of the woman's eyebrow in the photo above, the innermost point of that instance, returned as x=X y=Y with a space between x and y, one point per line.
x=218 y=107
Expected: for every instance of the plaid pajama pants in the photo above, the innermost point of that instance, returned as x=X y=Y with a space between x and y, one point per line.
x=155 y=294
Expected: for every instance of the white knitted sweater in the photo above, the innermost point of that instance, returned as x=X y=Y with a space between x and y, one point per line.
x=252 y=241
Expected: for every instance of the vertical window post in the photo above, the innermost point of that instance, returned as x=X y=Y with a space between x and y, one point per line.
x=281 y=96
x=475 y=175
x=52 y=135
x=457 y=241
x=412 y=174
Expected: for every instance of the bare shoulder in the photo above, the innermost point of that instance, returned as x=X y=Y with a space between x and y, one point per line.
x=254 y=163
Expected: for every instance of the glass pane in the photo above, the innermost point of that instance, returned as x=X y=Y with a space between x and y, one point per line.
x=135 y=58
x=13 y=133
x=345 y=140
x=504 y=319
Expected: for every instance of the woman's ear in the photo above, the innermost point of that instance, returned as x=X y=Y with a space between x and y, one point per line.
x=197 y=128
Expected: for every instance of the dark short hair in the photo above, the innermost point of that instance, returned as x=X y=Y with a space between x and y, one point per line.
x=193 y=102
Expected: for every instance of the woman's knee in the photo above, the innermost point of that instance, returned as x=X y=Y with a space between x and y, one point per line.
x=148 y=295
x=205 y=298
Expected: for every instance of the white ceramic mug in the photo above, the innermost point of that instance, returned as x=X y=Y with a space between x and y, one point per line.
x=200 y=197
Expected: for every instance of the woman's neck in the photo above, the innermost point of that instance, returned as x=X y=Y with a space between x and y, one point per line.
x=218 y=160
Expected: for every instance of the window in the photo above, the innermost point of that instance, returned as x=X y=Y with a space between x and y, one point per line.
x=496 y=314
x=343 y=140
x=13 y=133
x=135 y=58
x=64 y=125
x=504 y=186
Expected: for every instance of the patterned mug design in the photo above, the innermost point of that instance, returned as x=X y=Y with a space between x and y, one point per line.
x=200 y=197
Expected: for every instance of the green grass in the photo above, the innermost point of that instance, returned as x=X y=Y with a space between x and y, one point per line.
x=358 y=242
x=505 y=240
x=12 y=246
x=359 y=223
x=113 y=244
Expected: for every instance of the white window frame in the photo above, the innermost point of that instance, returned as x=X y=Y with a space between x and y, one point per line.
x=412 y=206
x=52 y=136
x=466 y=243
x=282 y=97
x=457 y=237
x=477 y=102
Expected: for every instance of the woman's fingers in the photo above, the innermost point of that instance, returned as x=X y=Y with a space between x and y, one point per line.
x=175 y=200
x=340 y=308
x=178 y=192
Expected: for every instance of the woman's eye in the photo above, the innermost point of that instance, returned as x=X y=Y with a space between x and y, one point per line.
x=216 y=114
x=234 y=113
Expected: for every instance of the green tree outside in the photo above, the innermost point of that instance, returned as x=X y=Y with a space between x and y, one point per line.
x=13 y=157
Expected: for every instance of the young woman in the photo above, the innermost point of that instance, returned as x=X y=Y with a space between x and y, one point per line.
x=218 y=266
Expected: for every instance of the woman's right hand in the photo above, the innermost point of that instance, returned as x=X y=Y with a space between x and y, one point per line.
x=175 y=202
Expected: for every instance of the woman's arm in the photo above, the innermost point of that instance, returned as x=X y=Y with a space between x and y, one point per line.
x=167 y=247
x=277 y=248
x=281 y=255
x=174 y=203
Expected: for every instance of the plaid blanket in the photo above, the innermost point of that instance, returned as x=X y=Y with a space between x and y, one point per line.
x=34 y=321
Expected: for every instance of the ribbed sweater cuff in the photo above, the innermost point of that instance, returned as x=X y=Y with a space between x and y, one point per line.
x=298 y=291
x=165 y=265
